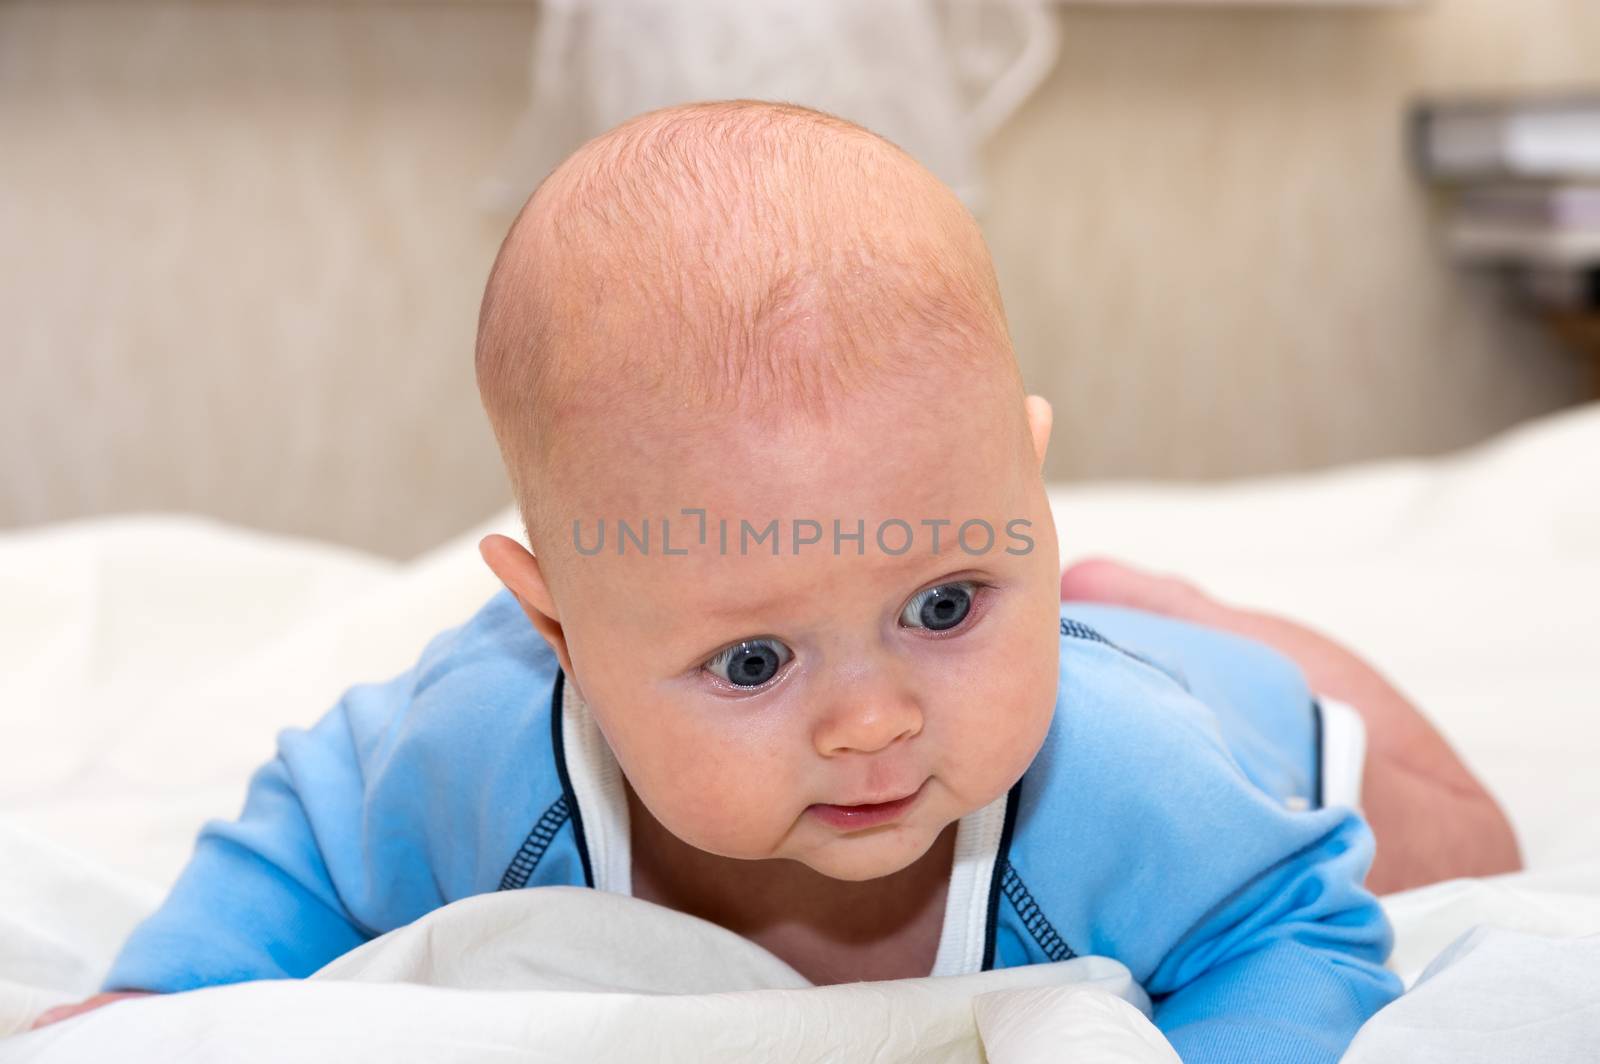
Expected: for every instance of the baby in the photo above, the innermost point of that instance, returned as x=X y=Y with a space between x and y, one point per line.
x=788 y=652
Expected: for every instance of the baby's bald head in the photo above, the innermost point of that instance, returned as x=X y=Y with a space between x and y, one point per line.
x=737 y=256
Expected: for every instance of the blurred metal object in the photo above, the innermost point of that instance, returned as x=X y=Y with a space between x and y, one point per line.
x=937 y=77
x=1580 y=330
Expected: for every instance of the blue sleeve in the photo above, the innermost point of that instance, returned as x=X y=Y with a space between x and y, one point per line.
x=257 y=899
x=406 y=796
x=1288 y=966
x=1247 y=922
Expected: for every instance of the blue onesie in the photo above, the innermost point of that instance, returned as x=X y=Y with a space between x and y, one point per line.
x=1172 y=820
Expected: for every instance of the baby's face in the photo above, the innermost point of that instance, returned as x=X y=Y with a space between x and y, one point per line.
x=741 y=689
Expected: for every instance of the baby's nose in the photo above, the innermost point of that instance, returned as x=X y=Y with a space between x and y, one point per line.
x=866 y=719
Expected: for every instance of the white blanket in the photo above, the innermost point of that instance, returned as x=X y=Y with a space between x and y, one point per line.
x=571 y=974
x=575 y=974
x=147 y=662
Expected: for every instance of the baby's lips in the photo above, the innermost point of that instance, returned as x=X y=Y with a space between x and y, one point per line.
x=874 y=802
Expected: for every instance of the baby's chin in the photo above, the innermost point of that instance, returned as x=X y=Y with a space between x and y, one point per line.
x=871 y=854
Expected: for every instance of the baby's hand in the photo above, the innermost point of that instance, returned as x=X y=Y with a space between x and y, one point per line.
x=66 y=1012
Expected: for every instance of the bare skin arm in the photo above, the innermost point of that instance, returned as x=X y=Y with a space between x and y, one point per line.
x=1432 y=819
x=66 y=1012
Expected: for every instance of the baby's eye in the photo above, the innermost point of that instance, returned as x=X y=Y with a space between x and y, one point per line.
x=751 y=663
x=939 y=608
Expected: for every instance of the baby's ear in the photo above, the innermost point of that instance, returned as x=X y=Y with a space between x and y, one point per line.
x=1040 y=418
x=519 y=571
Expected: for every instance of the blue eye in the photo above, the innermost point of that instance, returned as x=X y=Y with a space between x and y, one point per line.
x=751 y=663
x=938 y=608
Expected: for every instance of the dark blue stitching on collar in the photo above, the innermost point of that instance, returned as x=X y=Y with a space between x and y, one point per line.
x=520 y=870
x=1033 y=918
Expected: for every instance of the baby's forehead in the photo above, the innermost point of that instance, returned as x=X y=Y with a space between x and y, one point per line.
x=700 y=507
x=918 y=447
x=738 y=568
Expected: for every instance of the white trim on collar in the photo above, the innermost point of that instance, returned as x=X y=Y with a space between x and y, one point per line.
x=966 y=906
x=596 y=781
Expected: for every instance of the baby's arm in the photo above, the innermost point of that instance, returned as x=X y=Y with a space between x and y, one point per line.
x=1246 y=921
x=407 y=795
x=1287 y=966
x=257 y=899
x=1432 y=818
x=66 y=1012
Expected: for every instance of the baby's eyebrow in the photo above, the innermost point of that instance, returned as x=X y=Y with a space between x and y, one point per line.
x=911 y=570
x=743 y=607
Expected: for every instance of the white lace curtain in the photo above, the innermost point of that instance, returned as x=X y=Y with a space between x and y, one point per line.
x=934 y=76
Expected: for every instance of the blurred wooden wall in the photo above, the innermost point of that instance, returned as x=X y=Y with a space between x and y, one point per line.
x=241 y=250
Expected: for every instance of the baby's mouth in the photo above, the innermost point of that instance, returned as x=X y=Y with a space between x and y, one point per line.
x=857 y=817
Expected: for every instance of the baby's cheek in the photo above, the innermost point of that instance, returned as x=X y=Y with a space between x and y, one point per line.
x=1002 y=725
x=728 y=797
